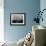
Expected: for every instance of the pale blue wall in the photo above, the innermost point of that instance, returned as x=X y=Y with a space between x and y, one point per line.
x=30 y=7
x=43 y=6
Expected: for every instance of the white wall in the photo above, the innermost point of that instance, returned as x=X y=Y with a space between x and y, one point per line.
x=1 y=20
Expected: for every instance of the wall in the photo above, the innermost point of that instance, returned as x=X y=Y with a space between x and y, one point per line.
x=43 y=6
x=1 y=20
x=30 y=7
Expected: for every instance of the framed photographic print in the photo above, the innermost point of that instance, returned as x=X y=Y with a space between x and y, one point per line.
x=17 y=19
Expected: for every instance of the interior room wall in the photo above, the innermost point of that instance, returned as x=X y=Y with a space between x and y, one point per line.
x=42 y=7
x=1 y=20
x=30 y=7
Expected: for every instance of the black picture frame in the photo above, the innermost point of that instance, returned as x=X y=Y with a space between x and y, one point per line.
x=17 y=19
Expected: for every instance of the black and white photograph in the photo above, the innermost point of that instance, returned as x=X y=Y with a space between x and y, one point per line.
x=17 y=18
